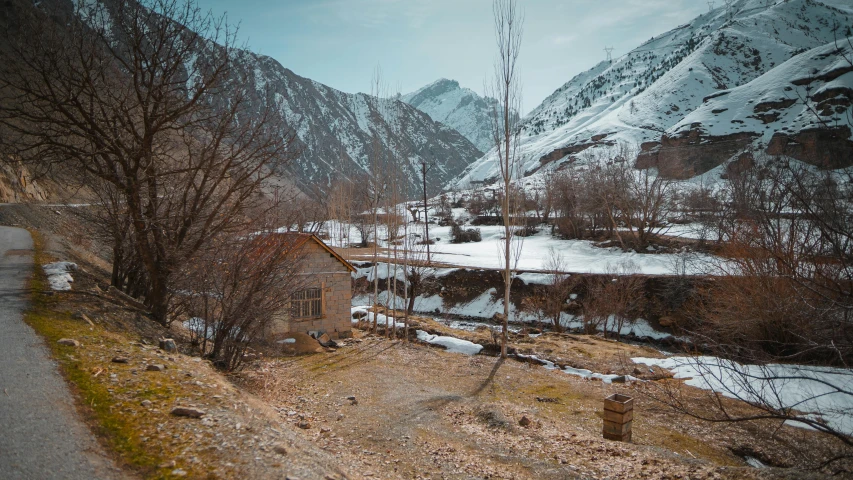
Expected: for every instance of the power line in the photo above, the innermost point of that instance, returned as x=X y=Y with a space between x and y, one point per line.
x=729 y=8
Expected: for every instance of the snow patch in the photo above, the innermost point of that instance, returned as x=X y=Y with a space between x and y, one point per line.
x=578 y=372
x=381 y=319
x=59 y=275
x=452 y=344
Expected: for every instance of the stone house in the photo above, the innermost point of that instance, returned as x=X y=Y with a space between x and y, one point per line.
x=323 y=303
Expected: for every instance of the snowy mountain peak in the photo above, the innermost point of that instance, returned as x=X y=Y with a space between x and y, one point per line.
x=460 y=108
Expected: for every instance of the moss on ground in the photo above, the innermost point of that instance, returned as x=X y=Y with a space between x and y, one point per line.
x=119 y=424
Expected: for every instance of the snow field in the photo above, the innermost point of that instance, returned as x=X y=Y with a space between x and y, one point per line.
x=820 y=392
x=579 y=256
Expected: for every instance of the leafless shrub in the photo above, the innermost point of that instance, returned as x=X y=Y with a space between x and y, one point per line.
x=234 y=289
x=613 y=299
x=549 y=300
x=783 y=296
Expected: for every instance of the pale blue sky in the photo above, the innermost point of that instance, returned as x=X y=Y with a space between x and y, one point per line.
x=339 y=42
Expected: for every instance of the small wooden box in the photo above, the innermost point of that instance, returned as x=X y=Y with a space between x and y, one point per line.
x=619 y=403
x=618 y=417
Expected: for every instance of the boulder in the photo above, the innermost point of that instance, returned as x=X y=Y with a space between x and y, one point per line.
x=168 y=345
x=326 y=341
x=666 y=321
x=187 y=412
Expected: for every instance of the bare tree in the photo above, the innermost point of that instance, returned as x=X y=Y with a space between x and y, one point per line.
x=112 y=226
x=425 y=168
x=789 y=253
x=147 y=98
x=377 y=179
x=235 y=287
x=576 y=212
x=778 y=314
x=645 y=205
x=550 y=298
x=616 y=296
x=636 y=203
x=504 y=122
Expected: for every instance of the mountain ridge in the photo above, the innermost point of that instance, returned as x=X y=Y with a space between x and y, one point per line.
x=641 y=96
x=339 y=132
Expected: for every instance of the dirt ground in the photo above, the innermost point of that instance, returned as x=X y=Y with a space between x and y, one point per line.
x=416 y=411
x=389 y=409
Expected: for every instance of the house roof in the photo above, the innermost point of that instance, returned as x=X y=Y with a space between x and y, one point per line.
x=302 y=238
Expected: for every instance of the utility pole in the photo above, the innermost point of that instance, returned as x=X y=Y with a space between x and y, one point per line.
x=609 y=51
x=729 y=8
x=710 y=5
x=425 y=167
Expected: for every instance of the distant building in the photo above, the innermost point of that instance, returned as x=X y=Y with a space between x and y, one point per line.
x=323 y=304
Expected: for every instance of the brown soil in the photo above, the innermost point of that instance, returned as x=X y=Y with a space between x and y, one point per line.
x=420 y=412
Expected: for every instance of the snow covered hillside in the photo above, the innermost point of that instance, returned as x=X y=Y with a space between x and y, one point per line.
x=684 y=79
x=337 y=130
x=460 y=108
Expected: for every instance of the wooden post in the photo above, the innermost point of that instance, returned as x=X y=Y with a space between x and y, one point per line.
x=323 y=299
x=618 y=416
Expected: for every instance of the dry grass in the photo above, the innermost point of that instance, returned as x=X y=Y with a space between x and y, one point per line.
x=425 y=413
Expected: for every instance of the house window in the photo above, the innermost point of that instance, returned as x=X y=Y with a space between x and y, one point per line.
x=307 y=303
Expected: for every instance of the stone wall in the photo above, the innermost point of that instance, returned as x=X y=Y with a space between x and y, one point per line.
x=322 y=269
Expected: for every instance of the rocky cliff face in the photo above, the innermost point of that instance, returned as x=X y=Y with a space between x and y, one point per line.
x=693 y=97
x=18 y=186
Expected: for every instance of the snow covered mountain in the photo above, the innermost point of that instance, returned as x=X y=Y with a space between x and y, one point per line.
x=668 y=96
x=340 y=131
x=460 y=108
x=800 y=109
